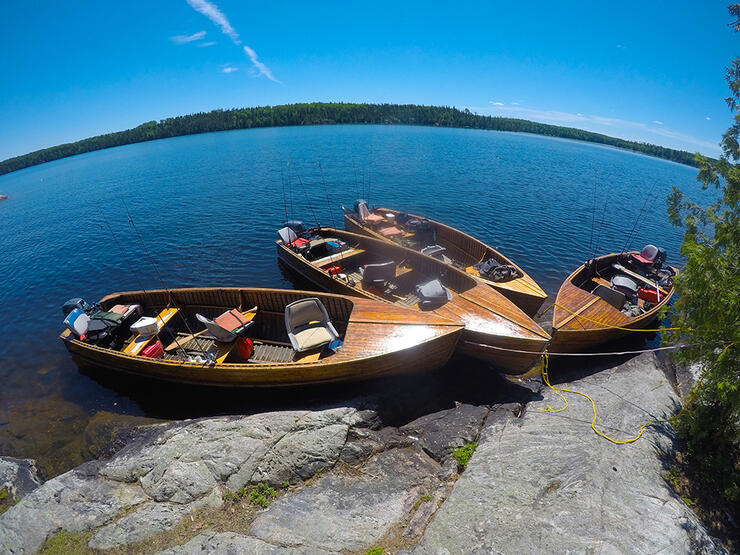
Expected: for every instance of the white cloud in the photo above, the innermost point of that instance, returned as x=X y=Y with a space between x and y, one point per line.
x=230 y=69
x=515 y=104
x=261 y=68
x=707 y=118
x=656 y=122
x=183 y=39
x=205 y=44
x=631 y=130
x=497 y=103
x=212 y=12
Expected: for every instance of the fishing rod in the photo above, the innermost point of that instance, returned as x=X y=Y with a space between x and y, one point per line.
x=285 y=202
x=326 y=192
x=161 y=280
x=305 y=194
x=125 y=260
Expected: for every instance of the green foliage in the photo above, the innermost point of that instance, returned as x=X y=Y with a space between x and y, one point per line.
x=463 y=454
x=426 y=497
x=319 y=113
x=259 y=495
x=3 y=494
x=374 y=551
x=708 y=312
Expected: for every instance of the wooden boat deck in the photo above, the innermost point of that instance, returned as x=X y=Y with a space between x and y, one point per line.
x=463 y=252
x=489 y=317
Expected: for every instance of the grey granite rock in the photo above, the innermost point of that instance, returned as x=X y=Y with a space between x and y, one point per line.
x=353 y=511
x=18 y=477
x=547 y=483
x=230 y=543
x=185 y=463
x=73 y=501
x=441 y=432
x=147 y=520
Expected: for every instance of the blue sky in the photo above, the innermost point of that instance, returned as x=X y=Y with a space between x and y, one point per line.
x=649 y=71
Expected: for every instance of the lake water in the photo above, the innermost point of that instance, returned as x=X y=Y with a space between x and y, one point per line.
x=207 y=206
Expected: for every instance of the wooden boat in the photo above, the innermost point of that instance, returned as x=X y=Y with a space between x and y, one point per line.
x=591 y=307
x=335 y=260
x=457 y=249
x=378 y=340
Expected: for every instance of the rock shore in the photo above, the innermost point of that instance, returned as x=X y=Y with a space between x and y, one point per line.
x=345 y=482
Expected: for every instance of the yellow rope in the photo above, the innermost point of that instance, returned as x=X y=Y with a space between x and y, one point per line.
x=557 y=390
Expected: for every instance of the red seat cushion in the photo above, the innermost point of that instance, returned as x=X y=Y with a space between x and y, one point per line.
x=231 y=320
x=642 y=259
x=300 y=242
x=390 y=231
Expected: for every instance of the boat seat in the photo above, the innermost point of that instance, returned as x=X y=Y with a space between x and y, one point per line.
x=391 y=231
x=435 y=251
x=378 y=274
x=289 y=237
x=612 y=296
x=364 y=213
x=227 y=327
x=624 y=284
x=308 y=325
x=433 y=293
x=647 y=256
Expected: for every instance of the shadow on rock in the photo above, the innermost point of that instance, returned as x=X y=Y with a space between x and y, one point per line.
x=397 y=400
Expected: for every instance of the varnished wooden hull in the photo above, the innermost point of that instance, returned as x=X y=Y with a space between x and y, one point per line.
x=582 y=320
x=378 y=341
x=493 y=325
x=523 y=292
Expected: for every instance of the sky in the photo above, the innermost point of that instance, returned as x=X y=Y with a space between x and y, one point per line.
x=649 y=71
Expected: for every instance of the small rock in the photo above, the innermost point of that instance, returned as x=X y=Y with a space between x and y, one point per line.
x=443 y=431
x=18 y=477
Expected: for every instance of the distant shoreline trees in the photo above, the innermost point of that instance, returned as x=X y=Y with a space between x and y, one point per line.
x=320 y=113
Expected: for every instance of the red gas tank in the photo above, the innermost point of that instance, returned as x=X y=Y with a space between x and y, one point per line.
x=649 y=295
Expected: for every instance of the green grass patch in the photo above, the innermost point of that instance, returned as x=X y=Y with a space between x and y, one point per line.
x=66 y=543
x=463 y=455
x=260 y=495
x=374 y=551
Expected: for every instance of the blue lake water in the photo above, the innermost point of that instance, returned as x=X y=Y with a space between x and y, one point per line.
x=207 y=207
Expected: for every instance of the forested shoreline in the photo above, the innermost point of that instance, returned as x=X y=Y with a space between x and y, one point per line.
x=328 y=114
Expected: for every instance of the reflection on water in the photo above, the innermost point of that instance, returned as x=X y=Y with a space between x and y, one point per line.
x=205 y=210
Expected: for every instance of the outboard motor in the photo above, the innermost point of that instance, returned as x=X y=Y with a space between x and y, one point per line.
x=359 y=203
x=295 y=225
x=660 y=258
x=76 y=303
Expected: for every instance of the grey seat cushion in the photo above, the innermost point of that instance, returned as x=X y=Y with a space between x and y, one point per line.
x=624 y=284
x=433 y=292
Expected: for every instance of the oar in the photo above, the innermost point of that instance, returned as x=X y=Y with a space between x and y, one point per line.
x=638 y=276
x=179 y=341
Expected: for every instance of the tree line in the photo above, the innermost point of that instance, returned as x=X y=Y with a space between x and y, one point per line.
x=320 y=113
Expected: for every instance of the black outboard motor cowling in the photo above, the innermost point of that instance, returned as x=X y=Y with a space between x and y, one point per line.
x=660 y=258
x=72 y=304
x=295 y=225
